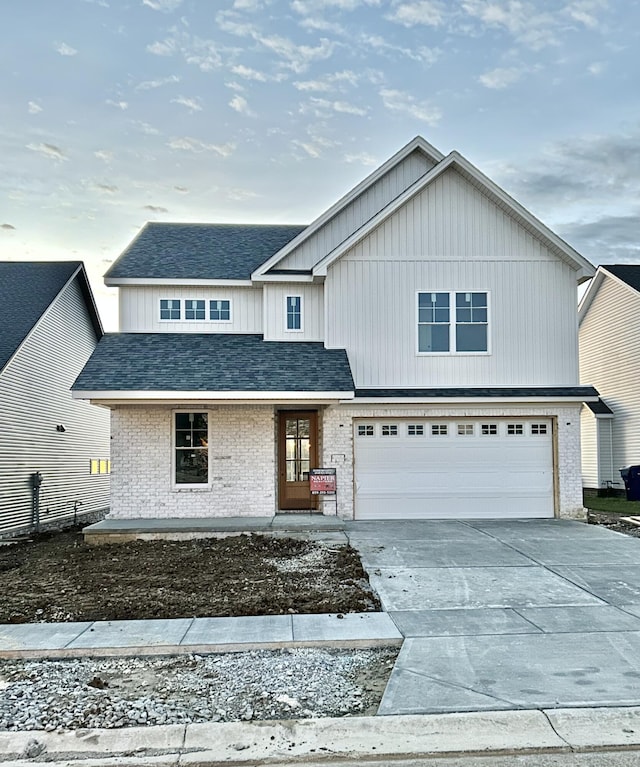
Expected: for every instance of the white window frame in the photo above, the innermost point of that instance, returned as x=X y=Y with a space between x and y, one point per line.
x=436 y=430
x=466 y=430
x=194 y=487
x=208 y=310
x=186 y=319
x=418 y=430
x=362 y=430
x=392 y=430
x=178 y=301
x=452 y=324
x=286 y=313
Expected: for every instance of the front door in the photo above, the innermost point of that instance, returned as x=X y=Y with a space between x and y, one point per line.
x=297 y=453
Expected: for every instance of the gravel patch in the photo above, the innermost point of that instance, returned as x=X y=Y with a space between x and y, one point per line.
x=257 y=685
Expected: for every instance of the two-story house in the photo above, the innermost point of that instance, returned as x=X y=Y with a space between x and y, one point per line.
x=419 y=337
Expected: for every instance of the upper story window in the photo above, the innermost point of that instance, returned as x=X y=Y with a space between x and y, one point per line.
x=294 y=312
x=194 y=309
x=452 y=323
x=169 y=309
x=220 y=311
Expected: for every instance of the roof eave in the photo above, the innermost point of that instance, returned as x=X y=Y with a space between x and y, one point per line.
x=115 y=282
x=106 y=397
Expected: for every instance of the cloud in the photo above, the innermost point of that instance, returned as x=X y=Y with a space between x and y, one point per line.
x=585 y=11
x=195 y=50
x=240 y=195
x=419 y=12
x=7 y=226
x=33 y=108
x=108 y=188
x=500 y=78
x=166 y=6
x=118 y=104
x=239 y=103
x=331 y=82
x=149 y=84
x=102 y=154
x=607 y=239
x=249 y=74
x=295 y=57
x=193 y=105
x=597 y=68
x=181 y=189
x=362 y=158
x=48 y=150
x=155 y=208
x=420 y=53
x=306 y=7
x=322 y=106
x=520 y=19
x=65 y=50
x=188 y=144
x=405 y=103
x=144 y=127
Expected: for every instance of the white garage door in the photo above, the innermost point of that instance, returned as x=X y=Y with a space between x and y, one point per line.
x=447 y=469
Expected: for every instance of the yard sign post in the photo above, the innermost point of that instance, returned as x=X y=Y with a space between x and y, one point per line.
x=324 y=482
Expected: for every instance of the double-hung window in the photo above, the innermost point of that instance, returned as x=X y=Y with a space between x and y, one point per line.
x=451 y=322
x=169 y=309
x=193 y=309
x=220 y=311
x=191 y=448
x=294 y=312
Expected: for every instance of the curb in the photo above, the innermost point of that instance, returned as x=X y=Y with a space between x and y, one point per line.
x=311 y=741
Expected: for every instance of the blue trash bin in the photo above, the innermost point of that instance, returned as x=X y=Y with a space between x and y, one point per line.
x=631 y=478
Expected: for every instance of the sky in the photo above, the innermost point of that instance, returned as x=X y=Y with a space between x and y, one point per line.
x=118 y=112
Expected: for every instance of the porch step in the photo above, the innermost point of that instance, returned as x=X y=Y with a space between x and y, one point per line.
x=121 y=530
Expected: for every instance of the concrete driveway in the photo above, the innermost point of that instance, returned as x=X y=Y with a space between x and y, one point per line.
x=506 y=614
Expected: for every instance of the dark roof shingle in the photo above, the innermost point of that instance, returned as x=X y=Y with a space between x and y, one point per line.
x=200 y=251
x=222 y=362
x=628 y=273
x=27 y=289
x=532 y=391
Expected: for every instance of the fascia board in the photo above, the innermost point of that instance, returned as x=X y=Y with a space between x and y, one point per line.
x=283 y=278
x=590 y=294
x=612 y=276
x=209 y=396
x=469 y=400
x=417 y=143
x=114 y=282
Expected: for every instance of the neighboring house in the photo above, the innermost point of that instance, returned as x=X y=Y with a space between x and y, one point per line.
x=609 y=317
x=49 y=327
x=419 y=337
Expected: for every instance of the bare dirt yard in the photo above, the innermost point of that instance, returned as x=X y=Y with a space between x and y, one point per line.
x=57 y=577
x=614 y=522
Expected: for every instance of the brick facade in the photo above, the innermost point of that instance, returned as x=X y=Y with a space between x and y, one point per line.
x=243 y=457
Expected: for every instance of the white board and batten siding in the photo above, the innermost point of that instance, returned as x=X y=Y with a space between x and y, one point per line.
x=275 y=312
x=35 y=397
x=140 y=309
x=358 y=212
x=450 y=237
x=610 y=361
x=406 y=469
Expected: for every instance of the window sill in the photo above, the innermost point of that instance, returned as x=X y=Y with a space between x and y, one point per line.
x=453 y=354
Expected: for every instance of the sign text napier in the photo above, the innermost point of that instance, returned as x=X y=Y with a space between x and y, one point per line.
x=322 y=481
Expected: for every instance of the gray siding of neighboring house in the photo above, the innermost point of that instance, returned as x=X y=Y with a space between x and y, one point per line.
x=35 y=397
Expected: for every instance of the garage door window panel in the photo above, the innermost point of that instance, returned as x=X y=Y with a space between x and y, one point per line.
x=415 y=430
x=465 y=430
x=439 y=430
x=389 y=430
x=489 y=429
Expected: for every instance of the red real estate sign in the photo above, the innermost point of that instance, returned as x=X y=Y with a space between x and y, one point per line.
x=322 y=481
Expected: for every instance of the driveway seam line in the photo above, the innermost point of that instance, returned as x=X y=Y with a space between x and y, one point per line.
x=564 y=740
x=458 y=686
x=528 y=620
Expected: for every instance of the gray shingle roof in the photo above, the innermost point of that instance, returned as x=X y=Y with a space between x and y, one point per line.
x=599 y=408
x=200 y=251
x=541 y=391
x=628 y=273
x=212 y=362
x=27 y=289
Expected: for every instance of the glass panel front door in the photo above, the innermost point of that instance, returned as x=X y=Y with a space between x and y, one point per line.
x=297 y=454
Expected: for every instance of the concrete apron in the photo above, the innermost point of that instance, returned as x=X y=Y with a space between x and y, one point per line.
x=311 y=741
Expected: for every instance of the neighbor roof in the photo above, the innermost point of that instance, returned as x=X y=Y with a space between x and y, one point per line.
x=626 y=272
x=27 y=289
x=212 y=362
x=200 y=251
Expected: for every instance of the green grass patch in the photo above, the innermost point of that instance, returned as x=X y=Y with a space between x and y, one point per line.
x=613 y=506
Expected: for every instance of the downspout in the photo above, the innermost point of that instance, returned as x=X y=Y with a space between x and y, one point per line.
x=36 y=481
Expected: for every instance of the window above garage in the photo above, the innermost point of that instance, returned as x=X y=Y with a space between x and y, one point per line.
x=453 y=322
